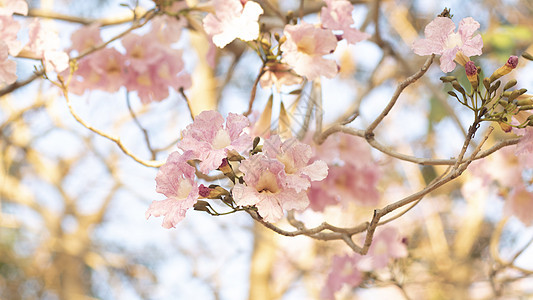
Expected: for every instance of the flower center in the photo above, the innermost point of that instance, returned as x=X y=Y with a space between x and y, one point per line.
x=306 y=45
x=288 y=163
x=184 y=189
x=221 y=140
x=267 y=183
x=454 y=40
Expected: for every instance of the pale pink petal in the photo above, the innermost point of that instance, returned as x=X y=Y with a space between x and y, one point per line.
x=439 y=29
x=244 y=195
x=86 y=37
x=8 y=7
x=55 y=60
x=467 y=27
x=294 y=200
x=8 y=34
x=175 y=180
x=473 y=46
x=447 y=63
x=386 y=245
x=519 y=203
x=269 y=207
x=427 y=47
x=316 y=171
x=232 y=21
x=8 y=68
x=304 y=48
x=344 y=270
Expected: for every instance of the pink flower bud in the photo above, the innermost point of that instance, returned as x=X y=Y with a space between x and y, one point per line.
x=512 y=62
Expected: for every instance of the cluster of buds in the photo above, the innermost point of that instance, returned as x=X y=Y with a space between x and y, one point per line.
x=494 y=104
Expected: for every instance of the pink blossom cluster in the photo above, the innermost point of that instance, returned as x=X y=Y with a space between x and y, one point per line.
x=306 y=44
x=149 y=66
x=348 y=270
x=442 y=40
x=273 y=180
x=353 y=174
x=43 y=42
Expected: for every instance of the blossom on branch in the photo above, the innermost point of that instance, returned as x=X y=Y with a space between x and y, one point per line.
x=295 y=156
x=233 y=19
x=210 y=140
x=442 y=40
x=44 y=44
x=337 y=15
x=175 y=180
x=86 y=38
x=266 y=188
x=304 y=48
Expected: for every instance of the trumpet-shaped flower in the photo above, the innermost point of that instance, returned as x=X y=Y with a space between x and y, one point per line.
x=295 y=156
x=175 y=180
x=233 y=20
x=210 y=140
x=442 y=40
x=387 y=244
x=86 y=37
x=304 y=48
x=337 y=15
x=265 y=187
x=344 y=270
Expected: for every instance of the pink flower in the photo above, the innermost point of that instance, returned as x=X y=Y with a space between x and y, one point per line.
x=233 y=20
x=8 y=34
x=265 y=187
x=44 y=44
x=295 y=156
x=8 y=7
x=8 y=68
x=143 y=52
x=519 y=203
x=175 y=180
x=304 y=48
x=278 y=74
x=337 y=15
x=387 y=244
x=86 y=38
x=153 y=67
x=442 y=40
x=349 y=179
x=168 y=29
x=103 y=70
x=344 y=270
x=524 y=148
x=211 y=141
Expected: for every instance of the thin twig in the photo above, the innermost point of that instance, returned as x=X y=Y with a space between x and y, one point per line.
x=144 y=131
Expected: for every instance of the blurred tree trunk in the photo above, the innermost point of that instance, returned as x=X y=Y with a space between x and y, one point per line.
x=263 y=256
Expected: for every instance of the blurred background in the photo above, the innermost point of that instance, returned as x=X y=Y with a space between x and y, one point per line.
x=72 y=205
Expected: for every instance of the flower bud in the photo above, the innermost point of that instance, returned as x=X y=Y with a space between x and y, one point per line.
x=486 y=83
x=494 y=87
x=458 y=87
x=509 y=84
x=448 y=78
x=215 y=192
x=201 y=205
x=511 y=63
x=471 y=73
x=527 y=56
